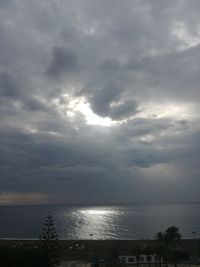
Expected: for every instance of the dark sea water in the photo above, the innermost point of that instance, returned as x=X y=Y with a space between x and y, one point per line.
x=118 y=222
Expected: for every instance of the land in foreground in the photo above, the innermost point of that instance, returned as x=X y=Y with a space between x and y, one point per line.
x=84 y=249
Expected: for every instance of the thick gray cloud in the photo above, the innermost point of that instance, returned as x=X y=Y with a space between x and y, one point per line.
x=63 y=61
x=99 y=100
x=106 y=103
x=8 y=87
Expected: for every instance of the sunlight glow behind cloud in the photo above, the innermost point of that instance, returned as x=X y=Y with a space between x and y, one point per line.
x=167 y=110
x=80 y=105
x=91 y=93
x=186 y=39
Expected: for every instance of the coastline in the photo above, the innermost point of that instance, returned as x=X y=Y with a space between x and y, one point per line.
x=85 y=250
x=102 y=246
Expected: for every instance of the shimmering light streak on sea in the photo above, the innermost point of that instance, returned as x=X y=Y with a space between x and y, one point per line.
x=95 y=223
x=118 y=222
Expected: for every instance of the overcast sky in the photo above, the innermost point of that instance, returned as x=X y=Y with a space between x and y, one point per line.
x=99 y=101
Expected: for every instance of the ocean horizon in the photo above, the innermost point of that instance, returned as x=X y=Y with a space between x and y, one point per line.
x=138 y=221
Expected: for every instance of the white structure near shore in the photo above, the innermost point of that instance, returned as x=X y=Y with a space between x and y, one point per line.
x=142 y=259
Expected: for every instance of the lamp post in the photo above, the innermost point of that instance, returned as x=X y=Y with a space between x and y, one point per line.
x=194 y=245
x=90 y=235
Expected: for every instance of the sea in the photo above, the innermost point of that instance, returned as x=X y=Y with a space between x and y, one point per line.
x=100 y=222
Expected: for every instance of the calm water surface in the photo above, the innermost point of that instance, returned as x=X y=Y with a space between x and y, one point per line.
x=120 y=222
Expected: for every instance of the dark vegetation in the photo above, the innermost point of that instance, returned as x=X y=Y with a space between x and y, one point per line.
x=44 y=253
x=48 y=250
x=49 y=243
x=168 y=245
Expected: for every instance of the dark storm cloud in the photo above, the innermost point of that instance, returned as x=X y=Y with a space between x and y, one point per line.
x=109 y=102
x=126 y=109
x=8 y=86
x=63 y=61
x=103 y=97
x=135 y=62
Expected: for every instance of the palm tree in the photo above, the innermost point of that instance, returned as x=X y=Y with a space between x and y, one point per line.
x=168 y=244
x=161 y=247
x=160 y=236
x=173 y=237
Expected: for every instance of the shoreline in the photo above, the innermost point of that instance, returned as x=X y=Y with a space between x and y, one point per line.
x=104 y=245
x=85 y=249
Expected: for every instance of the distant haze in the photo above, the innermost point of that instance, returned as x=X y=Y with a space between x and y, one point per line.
x=99 y=101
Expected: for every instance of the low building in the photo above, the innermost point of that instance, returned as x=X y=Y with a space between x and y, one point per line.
x=142 y=259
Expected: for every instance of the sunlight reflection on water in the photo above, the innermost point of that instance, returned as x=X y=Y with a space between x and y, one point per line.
x=96 y=212
x=97 y=223
x=130 y=222
x=118 y=222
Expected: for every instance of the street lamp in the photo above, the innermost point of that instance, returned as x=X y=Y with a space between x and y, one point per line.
x=91 y=235
x=194 y=244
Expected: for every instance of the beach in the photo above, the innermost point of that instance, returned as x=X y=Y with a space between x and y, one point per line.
x=73 y=249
